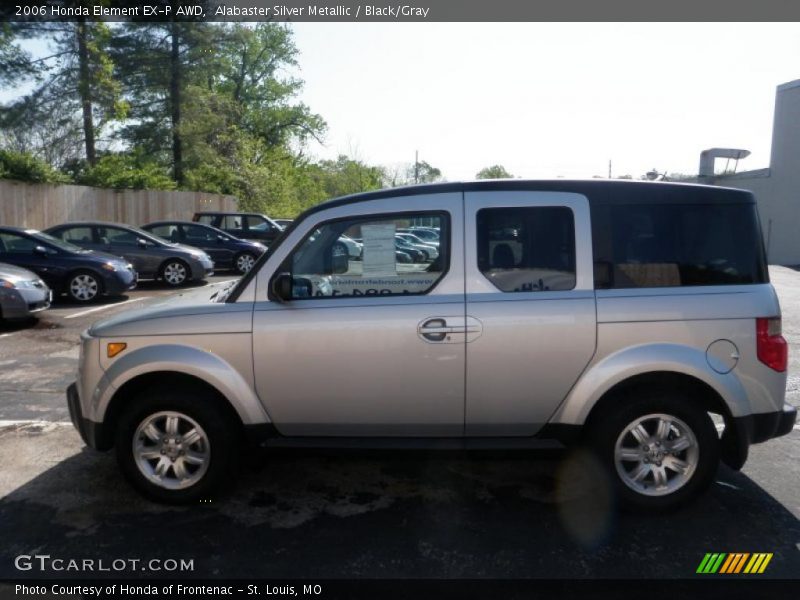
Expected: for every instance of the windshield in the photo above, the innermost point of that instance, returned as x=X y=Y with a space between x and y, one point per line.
x=60 y=244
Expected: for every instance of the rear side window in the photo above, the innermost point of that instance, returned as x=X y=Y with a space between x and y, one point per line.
x=663 y=245
x=206 y=219
x=167 y=232
x=528 y=249
x=76 y=235
x=232 y=222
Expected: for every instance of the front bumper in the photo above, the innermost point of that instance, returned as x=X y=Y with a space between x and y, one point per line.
x=201 y=269
x=21 y=303
x=92 y=433
x=119 y=282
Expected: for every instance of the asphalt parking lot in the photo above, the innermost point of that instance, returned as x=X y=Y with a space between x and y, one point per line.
x=329 y=515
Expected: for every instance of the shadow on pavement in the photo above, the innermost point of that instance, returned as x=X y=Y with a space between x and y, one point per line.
x=392 y=515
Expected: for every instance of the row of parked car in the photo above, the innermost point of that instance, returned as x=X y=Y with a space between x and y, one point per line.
x=87 y=260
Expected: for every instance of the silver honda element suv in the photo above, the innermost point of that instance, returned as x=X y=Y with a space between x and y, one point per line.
x=626 y=317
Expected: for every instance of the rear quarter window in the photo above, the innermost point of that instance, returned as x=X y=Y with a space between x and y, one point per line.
x=669 y=245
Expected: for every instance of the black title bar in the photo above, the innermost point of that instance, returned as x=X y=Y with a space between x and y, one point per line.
x=402 y=10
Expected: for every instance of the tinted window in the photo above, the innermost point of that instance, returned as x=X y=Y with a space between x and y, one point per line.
x=527 y=249
x=168 y=232
x=200 y=234
x=76 y=235
x=258 y=223
x=16 y=244
x=119 y=237
x=660 y=245
x=323 y=266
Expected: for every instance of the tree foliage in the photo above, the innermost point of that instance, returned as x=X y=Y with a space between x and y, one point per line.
x=493 y=172
x=23 y=166
x=186 y=105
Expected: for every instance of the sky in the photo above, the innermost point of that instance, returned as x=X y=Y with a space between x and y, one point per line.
x=544 y=99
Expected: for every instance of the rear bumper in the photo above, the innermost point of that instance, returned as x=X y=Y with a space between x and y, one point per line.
x=92 y=433
x=765 y=426
x=740 y=432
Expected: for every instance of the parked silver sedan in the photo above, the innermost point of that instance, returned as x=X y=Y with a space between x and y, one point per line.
x=22 y=293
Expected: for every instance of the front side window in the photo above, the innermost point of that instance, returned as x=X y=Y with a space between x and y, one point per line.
x=360 y=257
x=258 y=223
x=120 y=237
x=529 y=249
x=199 y=234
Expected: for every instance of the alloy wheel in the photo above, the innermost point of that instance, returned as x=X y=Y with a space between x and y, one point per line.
x=245 y=262
x=175 y=273
x=656 y=454
x=171 y=450
x=83 y=287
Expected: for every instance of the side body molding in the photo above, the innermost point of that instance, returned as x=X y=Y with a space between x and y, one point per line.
x=189 y=360
x=615 y=368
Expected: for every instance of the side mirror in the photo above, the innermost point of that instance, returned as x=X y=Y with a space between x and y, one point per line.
x=142 y=243
x=340 y=259
x=282 y=287
x=40 y=250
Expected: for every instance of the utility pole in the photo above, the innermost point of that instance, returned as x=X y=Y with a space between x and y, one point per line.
x=416 y=166
x=609 y=168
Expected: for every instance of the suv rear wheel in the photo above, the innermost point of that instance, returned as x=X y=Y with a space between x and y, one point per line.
x=175 y=447
x=660 y=449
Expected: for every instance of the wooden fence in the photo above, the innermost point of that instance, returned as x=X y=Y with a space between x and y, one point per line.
x=43 y=205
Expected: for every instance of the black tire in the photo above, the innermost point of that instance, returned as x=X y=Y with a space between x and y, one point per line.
x=220 y=429
x=677 y=404
x=171 y=270
x=80 y=285
x=240 y=268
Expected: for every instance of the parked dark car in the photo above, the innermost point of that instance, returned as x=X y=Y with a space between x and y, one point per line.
x=22 y=293
x=227 y=251
x=245 y=226
x=66 y=268
x=151 y=256
x=417 y=255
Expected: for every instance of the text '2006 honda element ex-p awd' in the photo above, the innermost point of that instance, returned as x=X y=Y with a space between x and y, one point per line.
x=616 y=315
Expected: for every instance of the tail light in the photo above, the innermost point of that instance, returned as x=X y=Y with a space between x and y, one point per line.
x=771 y=348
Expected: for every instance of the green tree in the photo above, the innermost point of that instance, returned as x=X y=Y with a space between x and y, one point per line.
x=126 y=171
x=75 y=78
x=493 y=172
x=23 y=166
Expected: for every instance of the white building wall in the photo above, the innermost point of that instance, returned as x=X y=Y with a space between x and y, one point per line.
x=777 y=189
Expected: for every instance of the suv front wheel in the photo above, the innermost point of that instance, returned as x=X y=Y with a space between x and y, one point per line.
x=175 y=447
x=660 y=449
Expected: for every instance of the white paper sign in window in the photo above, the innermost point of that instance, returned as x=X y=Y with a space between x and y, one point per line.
x=379 y=250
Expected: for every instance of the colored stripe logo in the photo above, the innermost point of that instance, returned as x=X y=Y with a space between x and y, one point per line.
x=734 y=563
